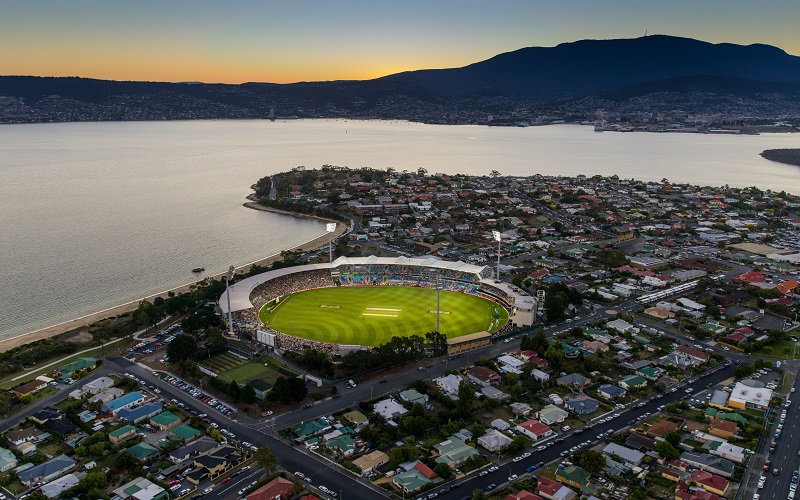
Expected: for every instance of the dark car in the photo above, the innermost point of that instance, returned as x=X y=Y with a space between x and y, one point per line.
x=383 y=381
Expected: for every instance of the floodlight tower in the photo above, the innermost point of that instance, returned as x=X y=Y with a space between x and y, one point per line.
x=438 y=299
x=228 y=278
x=331 y=227
x=496 y=235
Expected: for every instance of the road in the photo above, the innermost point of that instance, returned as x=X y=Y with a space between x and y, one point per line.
x=291 y=458
x=785 y=458
x=551 y=454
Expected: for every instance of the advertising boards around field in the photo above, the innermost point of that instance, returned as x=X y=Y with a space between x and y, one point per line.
x=265 y=337
x=344 y=349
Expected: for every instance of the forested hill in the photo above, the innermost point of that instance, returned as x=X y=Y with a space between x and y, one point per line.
x=653 y=74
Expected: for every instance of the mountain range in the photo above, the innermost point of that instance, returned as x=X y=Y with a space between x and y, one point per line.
x=652 y=74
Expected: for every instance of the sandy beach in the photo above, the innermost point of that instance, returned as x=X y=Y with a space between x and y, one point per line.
x=83 y=321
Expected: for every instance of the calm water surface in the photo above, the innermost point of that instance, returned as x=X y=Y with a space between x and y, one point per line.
x=97 y=214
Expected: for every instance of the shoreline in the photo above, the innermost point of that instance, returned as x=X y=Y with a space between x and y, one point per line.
x=89 y=319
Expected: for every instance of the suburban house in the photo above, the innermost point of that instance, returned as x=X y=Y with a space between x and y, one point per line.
x=709 y=463
x=449 y=383
x=277 y=489
x=412 y=396
x=98 y=385
x=575 y=380
x=47 y=471
x=651 y=372
x=140 y=489
x=371 y=460
x=453 y=452
x=494 y=440
x=728 y=451
x=7 y=460
x=165 y=421
x=609 y=391
x=127 y=401
x=193 y=449
x=581 y=404
x=551 y=414
x=573 y=476
x=661 y=428
x=534 y=429
x=140 y=413
x=710 y=482
x=121 y=434
x=389 y=409
x=29 y=435
x=553 y=490
x=632 y=458
x=483 y=376
x=410 y=481
x=632 y=382
x=29 y=388
x=723 y=428
x=313 y=427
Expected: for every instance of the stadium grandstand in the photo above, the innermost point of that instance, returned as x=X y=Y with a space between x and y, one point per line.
x=248 y=296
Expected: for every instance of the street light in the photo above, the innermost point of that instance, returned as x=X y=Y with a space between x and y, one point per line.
x=331 y=227
x=496 y=236
x=228 y=278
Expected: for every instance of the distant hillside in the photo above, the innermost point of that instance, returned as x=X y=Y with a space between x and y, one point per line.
x=592 y=66
x=572 y=80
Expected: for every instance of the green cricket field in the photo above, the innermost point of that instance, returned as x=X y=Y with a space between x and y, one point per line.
x=372 y=315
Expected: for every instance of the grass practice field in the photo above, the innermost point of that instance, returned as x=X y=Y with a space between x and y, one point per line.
x=372 y=315
x=231 y=367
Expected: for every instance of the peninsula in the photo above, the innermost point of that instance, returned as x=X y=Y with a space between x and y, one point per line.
x=790 y=156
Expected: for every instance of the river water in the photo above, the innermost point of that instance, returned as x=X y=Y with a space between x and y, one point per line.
x=98 y=214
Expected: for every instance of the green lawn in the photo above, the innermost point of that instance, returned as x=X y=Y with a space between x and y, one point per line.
x=782 y=350
x=247 y=371
x=371 y=315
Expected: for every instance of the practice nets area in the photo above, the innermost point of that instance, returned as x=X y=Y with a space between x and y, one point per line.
x=372 y=315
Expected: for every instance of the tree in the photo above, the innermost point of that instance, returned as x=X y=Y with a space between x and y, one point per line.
x=466 y=399
x=147 y=313
x=234 y=390
x=94 y=479
x=444 y=471
x=494 y=174
x=667 y=451
x=265 y=458
x=403 y=453
x=248 y=394
x=554 y=355
x=214 y=433
x=517 y=444
x=539 y=341
x=182 y=347
x=124 y=459
x=288 y=390
x=554 y=307
x=673 y=438
x=593 y=461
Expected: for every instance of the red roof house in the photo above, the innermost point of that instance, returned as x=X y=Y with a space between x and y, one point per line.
x=277 y=489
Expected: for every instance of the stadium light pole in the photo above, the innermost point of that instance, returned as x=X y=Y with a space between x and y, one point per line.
x=228 y=278
x=438 y=300
x=496 y=235
x=331 y=227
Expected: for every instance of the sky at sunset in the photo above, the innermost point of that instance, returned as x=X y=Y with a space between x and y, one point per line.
x=300 y=40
